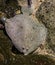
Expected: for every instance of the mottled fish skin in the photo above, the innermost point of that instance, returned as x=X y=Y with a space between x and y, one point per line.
x=26 y=33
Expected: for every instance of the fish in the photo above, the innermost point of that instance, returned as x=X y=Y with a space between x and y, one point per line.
x=26 y=33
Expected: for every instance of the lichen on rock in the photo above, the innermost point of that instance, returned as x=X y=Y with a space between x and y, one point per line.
x=46 y=14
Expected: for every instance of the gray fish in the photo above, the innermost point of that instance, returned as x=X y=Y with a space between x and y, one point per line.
x=26 y=33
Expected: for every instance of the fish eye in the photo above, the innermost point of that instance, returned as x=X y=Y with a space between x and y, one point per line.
x=27 y=49
x=23 y=48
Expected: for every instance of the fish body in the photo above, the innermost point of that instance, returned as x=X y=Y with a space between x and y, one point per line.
x=25 y=32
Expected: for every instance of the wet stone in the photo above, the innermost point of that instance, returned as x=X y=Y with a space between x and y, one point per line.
x=46 y=14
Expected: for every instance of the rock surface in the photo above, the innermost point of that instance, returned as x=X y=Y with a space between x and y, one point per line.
x=10 y=56
x=46 y=14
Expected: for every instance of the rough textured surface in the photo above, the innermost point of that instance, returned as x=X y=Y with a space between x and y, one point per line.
x=46 y=14
x=10 y=56
x=9 y=7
